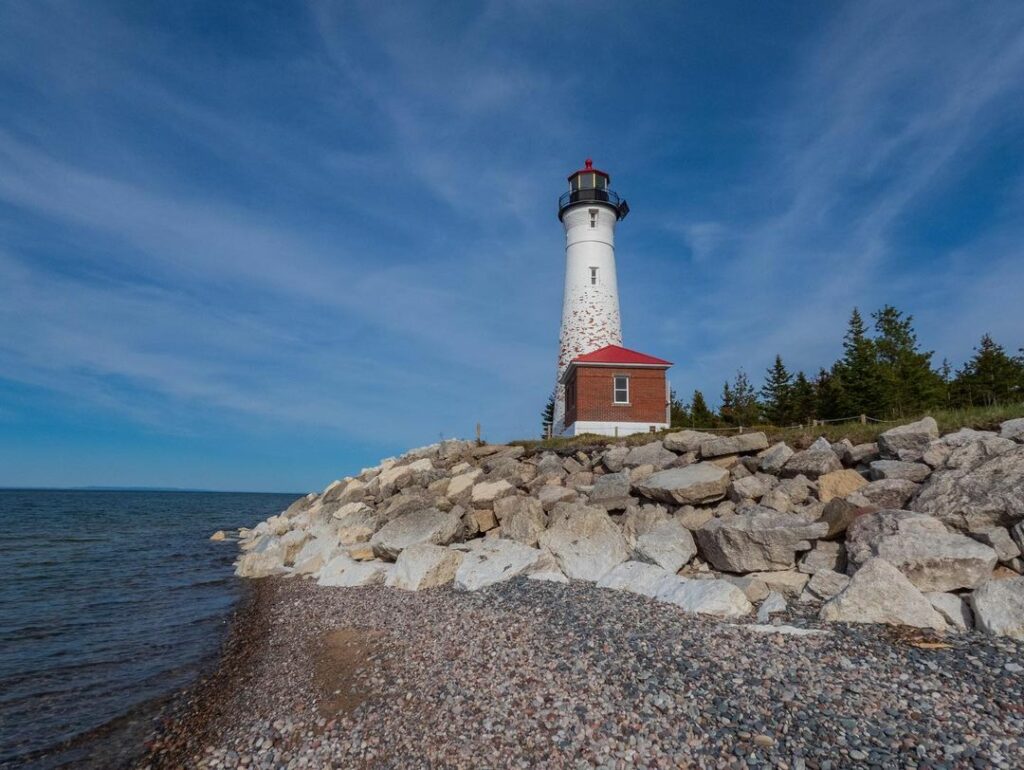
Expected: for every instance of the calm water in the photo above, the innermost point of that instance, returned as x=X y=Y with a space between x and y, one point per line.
x=108 y=601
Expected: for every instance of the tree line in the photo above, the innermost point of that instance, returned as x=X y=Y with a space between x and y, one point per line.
x=883 y=373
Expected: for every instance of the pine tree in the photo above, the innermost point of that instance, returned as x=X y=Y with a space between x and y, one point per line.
x=830 y=401
x=990 y=377
x=725 y=411
x=907 y=384
x=857 y=390
x=679 y=417
x=803 y=399
x=548 y=416
x=777 y=394
x=746 y=409
x=700 y=415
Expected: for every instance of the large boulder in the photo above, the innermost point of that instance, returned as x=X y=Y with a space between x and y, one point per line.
x=693 y=485
x=1013 y=429
x=356 y=523
x=485 y=493
x=460 y=488
x=773 y=459
x=653 y=453
x=938 y=452
x=824 y=585
x=760 y=539
x=812 y=463
x=668 y=544
x=839 y=484
x=953 y=609
x=718 y=598
x=731 y=445
x=686 y=440
x=426 y=526
x=977 y=500
x=551 y=495
x=1000 y=541
x=494 y=560
x=585 y=542
x=889 y=493
x=424 y=566
x=345 y=572
x=635 y=577
x=521 y=518
x=265 y=558
x=611 y=491
x=919 y=546
x=898 y=469
x=614 y=458
x=908 y=442
x=749 y=488
x=316 y=552
x=999 y=607
x=880 y=593
x=839 y=513
x=826 y=556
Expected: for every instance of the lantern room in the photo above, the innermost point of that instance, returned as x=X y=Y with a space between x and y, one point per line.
x=590 y=185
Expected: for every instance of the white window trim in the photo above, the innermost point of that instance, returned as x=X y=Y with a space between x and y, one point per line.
x=616 y=389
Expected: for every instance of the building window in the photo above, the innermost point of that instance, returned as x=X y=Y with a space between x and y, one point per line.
x=593 y=217
x=593 y=276
x=621 y=389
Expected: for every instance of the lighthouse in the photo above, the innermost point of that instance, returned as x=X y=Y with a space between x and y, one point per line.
x=589 y=212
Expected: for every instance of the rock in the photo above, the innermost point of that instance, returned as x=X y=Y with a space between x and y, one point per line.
x=1012 y=429
x=839 y=484
x=460 y=488
x=635 y=577
x=585 y=543
x=396 y=477
x=999 y=607
x=694 y=518
x=356 y=523
x=686 y=440
x=777 y=500
x=897 y=469
x=889 y=493
x=424 y=566
x=747 y=488
x=316 y=552
x=774 y=458
x=908 y=442
x=880 y=593
x=493 y=561
x=653 y=453
x=669 y=545
x=408 y=500
x=426 y=526
x=859 y=454
x=344 y=572
x=938 y=452
x=761 y=539
x=522 y=519
x=824 y=585
x=731 y=445
x=359 y=552
x=789 y=583
x=772 y=605
x=821 y=444
x=614 y=458
x=754 y=589
x=611 y=491
x=977 y=500
x=550 y=496
x=218 y=536
x=812 y=463
x=639 y=520
x=999 y=540
x=694 y=484
x=953 y=609
x=718 y=598
x=826 y=556
x=639 y=473
x=485 y=493
x=920 y=547
x=484 y=519
x=266 y=558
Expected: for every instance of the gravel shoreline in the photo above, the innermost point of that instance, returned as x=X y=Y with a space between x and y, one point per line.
x=534 y=674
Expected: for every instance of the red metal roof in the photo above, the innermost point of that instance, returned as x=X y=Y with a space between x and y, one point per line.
x=589 y=168
x=614 y=354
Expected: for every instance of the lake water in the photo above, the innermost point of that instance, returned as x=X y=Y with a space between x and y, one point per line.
x=109 y=602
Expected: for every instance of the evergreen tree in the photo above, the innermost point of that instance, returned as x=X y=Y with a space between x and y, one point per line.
x=906 y=382
x=803 y=400
x=990 y=377
x=548 y=415
x=857 y=390
x=679 y=417
x=725 y=411
x=700 y=415
x=746 y=409
x=830 y=401
x=777 y=394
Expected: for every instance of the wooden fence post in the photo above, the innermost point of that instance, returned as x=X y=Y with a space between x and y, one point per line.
x=863 y=419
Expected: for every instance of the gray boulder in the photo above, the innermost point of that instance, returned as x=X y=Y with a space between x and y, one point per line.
x=586 y=543
x=694 y=485
x=999 y=607
x=999 y=540
x=551 y=495
x=611 y=491
x=521 y=518
x=494 y=560
x=953 y=609
x=424 y=566
x=826 y=556
x=731 y=445
x=938 y=452
x=718 y=598
x=824 y=585
x=775 y=457
x=773 y=604
x=977 y=500
x=653 y=453
x=889 y=493
x=908 y=442
x=615 y=458
x=812 y=463
x=858 y=454
x=426 y=526
x=748 y=488
x=897 y=469
x=880 y=593
x=1013 y=429
x=686 y=440
x=668 y=544
x=760 y=539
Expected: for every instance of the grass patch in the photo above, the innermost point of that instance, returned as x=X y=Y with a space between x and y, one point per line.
x=979 y=418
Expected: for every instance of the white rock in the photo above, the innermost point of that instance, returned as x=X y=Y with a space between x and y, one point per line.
x=695 y=484
x=344 y=572
x=718 y=598
x=494 y=561
x=954 y=609
x=773 y=604
x=635 y=577
x=731 y=445
x=1012 y=429
x=586 y=543
x=775 y=458
x=999 y=607
x=908 y=442
x=424 y=566
x=486 y=492
x=824 y=585
x=880 y=593
x=686 y=440
x=314 y=554
x=760 y=539
x=264 y=559
x=668 y=544
x=426 y=526
x=521 y=518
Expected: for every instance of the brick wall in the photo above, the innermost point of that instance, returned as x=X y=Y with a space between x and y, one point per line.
x=594 y=400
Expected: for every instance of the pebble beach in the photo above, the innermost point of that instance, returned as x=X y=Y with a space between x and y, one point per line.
x=536 y=674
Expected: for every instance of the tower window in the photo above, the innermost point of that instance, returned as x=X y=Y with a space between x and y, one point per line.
x=593 y=217
x=620 y=392
x=593 y=276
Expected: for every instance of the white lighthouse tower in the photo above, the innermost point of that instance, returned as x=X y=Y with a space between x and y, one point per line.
x=589 y=212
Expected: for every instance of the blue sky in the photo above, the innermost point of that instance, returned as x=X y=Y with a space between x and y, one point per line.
x=260 y=245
